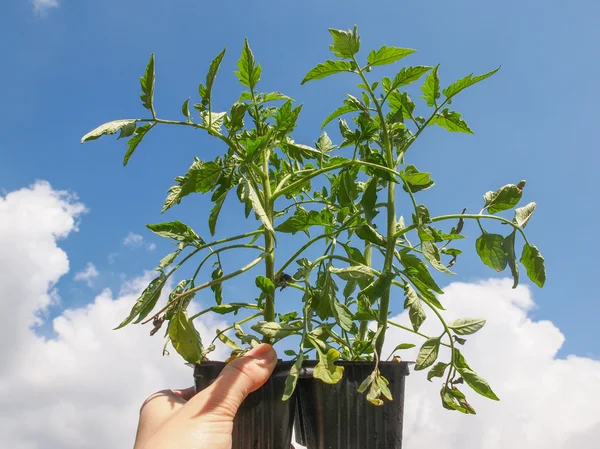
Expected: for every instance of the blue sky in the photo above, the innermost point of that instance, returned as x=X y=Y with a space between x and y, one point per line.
x=70 y=68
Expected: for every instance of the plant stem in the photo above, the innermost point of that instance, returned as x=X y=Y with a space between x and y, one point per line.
x=408 y=329
x=206 y=285
x=368 y=254
x=245 y=320
x=459 y=216
x=241 y=305
x=391 y=215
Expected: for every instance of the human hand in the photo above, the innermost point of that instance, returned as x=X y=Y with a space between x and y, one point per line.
x=178 y=419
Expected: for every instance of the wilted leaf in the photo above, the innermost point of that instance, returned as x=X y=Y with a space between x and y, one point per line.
x=437 y=370
x=326 y=370
x=185 y=338
x=466 y=326
x=415 y=309
x=511 y=258
x=427 y=354
x=292 y=379
x=175 y=230
x=271 y=329
x=532 y=260
x=109 y=128
x=523 y=214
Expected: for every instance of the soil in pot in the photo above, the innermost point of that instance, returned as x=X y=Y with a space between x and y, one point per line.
x=338 y=417
x=263 y=421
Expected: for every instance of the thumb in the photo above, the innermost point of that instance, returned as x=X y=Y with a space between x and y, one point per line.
x=238 y=379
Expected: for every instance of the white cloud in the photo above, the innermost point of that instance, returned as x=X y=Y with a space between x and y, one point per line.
x=134 y=240
x=151 y=247
x=43 y=5
x=546 y=402
x=83 y=388
x=88 y=274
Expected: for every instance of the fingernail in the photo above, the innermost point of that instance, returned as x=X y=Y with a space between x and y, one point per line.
x=263 y=353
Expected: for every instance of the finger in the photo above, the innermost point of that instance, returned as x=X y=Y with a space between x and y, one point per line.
x=238 y=379
x=156 y=410
x=186 y=393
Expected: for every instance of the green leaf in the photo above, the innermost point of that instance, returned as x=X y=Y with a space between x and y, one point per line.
x=368 y=233
x=302 y=220
x=415 y=309
x=403 y=346
x=292 y=379
x=354 y=273
x=266 y=285
x=167 y=260
x=185 y=110
x=427 y=354
x=286 y=117
x=431 y=88
x=345 y=109
x=523 y=214
x=432 y=253
x=451 y=121
x=415 y=179
x=406 y=76
x=504 y=198
x=214 y=212
x=326 y=69
x=477 y=383
x=274 y=96
x=110 y=128
x=146 y=302
x=508 y=245
x=377 y=288
x=205 y=91
x=532 y=260
x=401 y=101
x=437 y=370
x=388 y=55
x=355 y=254
x=217 y=288
x=227 y=341
x=250 y=194
x=135 y=140
x=326 y=370
x=345 y=43
x=465 y=82
x=147 y=84
x=343 y=316
x=249 y=70
x=416 y=269
x=369 y=199
x=185 y=338
x=490 y=250
x=175 y=230
x=271 y=329
x=466 y=326
x=201 y=177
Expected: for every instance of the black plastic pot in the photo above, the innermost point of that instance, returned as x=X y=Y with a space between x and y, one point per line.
x=263 y=421
x=338 y=417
